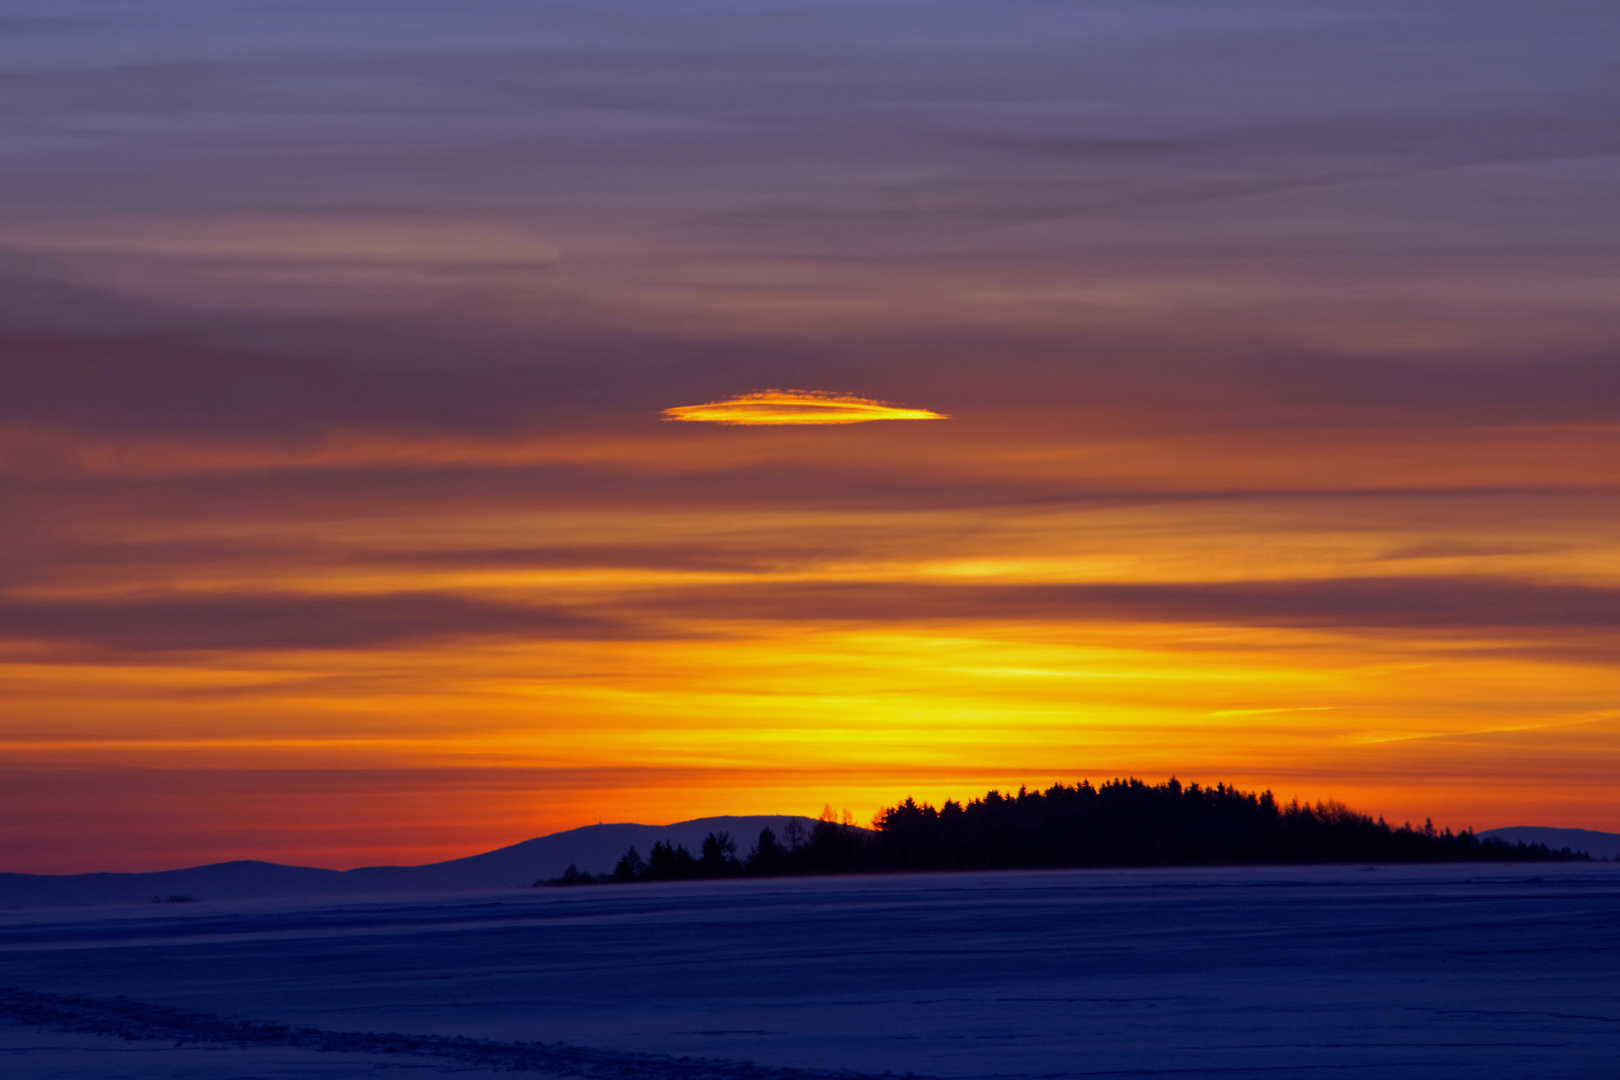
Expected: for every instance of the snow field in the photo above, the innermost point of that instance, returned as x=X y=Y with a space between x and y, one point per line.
x=1478 y=971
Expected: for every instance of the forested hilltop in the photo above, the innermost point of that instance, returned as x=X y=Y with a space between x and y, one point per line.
x=1119 y=823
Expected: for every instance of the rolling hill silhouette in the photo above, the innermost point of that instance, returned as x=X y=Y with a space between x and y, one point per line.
x=1599 y=845
x=593 y=848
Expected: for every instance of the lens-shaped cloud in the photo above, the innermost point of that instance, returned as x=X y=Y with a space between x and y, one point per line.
x=796 y=407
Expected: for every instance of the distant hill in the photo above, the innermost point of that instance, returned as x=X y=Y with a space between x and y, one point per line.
x=1599 y=845
x=594 y=849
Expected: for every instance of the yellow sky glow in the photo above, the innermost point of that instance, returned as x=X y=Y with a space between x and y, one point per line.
x=339 y=523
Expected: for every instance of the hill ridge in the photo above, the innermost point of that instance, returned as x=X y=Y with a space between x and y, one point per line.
x=1599 y=845
x=593 y=848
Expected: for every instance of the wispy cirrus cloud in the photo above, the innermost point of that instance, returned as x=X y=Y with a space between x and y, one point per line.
x=1497 y=609
x=277 y=622
x=767 y=407
x=1408 y=603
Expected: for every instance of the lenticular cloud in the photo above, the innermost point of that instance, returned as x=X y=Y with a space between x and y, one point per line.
x=796 y=407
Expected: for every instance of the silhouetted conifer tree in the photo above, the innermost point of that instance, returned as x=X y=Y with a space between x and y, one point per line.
x=630 y=867
x=793 y=835
x=667 y=863
x=834 y=848
x=718 y=857
x=768 y=857
x=574 y=876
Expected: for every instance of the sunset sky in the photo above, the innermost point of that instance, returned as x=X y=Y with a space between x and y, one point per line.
x=1255 y=364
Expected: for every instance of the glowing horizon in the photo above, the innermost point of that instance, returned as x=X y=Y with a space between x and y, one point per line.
x=371 y=493
x=776 y=407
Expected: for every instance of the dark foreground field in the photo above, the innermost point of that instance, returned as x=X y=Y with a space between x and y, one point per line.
x=1456 y=971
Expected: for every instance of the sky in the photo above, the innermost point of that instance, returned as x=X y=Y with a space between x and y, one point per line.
x=1259 y=413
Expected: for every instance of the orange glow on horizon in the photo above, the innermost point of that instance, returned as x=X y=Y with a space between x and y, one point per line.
x=340 y=522
x=453 y=672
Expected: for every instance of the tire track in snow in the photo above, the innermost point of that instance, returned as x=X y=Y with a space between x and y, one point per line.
x=133 y=1020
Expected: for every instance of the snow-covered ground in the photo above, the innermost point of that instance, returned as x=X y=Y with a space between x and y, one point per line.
x=1463 y=971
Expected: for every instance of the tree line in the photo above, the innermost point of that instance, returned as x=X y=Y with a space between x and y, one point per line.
x=1118 y=823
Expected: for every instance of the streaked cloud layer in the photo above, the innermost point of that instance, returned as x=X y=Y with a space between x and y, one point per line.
x=342 y=524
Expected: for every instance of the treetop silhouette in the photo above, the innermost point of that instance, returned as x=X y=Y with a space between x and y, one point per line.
x=1118 y=823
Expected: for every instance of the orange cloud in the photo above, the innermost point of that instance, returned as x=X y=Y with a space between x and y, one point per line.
x=796 y=407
